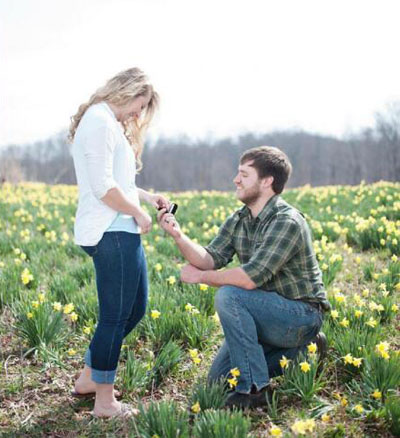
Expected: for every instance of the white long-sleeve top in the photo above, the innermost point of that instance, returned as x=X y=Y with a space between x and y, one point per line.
x=103 y=159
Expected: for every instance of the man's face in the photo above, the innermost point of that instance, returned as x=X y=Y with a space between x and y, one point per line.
x=248 y=185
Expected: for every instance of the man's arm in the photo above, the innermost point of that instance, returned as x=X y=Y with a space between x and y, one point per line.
x=234 y=277
x=194 y=253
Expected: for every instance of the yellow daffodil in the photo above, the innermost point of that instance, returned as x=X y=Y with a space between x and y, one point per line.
x=26 y=276
x=359 y=409
x=196 y=408
x=382 y=346
x=305 y=367
x=232 y=382
x=358 y=313
x=68 y=308
x=171 y=280
x=377 y=394
x=340 y=298
x=348 y=359
x=385 y=355
x=302 y=426
x=235 y=372
x=284 y=362
x=57 y=306
x=189 y=307
x=334 y=314
x=365 y=293
x=275 y=431
x=312 y=347
x=194 y=352
x=325 y=418
x=372 y=322
x=155 y=314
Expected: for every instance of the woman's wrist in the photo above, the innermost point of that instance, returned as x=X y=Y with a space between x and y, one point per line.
x=144 y=196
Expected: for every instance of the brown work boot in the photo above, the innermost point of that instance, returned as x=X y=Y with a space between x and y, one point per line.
x=249 y=401
x=322 y=349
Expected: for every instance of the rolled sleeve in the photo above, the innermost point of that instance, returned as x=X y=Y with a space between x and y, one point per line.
x=221 y=247
x=98 y=152
x=280 y=243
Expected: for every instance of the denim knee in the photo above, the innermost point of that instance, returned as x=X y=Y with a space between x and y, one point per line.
x=225 y=297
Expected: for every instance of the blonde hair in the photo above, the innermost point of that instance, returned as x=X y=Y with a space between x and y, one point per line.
x=121 y=90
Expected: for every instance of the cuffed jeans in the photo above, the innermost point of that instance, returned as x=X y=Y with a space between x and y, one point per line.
x=121 y=278
x=260 y=327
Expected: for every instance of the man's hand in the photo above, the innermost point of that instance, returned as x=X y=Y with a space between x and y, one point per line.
x=168 y=223
x=191 y=274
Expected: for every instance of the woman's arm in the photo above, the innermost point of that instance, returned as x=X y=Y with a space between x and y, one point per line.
x=154 y=199
x=116 y=200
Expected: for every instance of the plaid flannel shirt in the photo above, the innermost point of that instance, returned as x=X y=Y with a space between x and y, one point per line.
x=274 y=249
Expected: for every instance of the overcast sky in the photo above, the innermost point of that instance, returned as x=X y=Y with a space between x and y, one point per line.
x=220 y=66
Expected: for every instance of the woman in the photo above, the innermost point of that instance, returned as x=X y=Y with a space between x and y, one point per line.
x=107 y=144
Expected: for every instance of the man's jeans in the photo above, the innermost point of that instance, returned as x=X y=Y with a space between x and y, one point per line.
x=260 y=327
x=121 y=277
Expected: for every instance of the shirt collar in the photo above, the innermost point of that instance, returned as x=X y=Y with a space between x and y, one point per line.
x=109 y=110
x=265 y=213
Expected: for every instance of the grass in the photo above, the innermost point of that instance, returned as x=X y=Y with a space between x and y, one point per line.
x=356 y=235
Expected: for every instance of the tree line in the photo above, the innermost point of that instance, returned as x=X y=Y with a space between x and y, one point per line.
x=180 y=163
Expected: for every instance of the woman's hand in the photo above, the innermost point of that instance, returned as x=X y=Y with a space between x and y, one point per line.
x=143 y=219
x=156 y=200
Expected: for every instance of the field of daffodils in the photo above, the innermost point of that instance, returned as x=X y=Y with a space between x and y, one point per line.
x=48 y=312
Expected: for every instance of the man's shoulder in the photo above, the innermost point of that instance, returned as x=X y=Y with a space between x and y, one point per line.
x=285 y=211
x=235 y=217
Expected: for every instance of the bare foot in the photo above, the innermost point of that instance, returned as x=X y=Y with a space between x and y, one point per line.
x=84 y=383
x=106 y=409
x=83 y=388
x=115 y=409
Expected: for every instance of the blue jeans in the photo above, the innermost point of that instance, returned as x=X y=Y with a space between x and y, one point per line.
x=121 y=278
x=259 y=328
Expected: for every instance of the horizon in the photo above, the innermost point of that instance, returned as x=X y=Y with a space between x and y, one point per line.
x=261 y=68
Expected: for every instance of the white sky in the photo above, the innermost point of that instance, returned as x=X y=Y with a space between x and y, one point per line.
x=220 y=66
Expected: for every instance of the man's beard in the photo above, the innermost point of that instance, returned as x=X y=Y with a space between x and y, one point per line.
x=251 y=195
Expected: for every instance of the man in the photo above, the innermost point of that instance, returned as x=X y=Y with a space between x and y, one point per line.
x=272 y=304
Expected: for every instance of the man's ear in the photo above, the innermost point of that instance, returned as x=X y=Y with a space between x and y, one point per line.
x=267 y=182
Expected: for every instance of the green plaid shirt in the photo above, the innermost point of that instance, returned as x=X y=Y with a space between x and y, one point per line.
x=274 y=249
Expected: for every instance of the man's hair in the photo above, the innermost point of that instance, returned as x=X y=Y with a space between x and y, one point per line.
x=269 y=161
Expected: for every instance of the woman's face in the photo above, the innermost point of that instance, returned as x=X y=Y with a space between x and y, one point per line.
x=132 y=109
